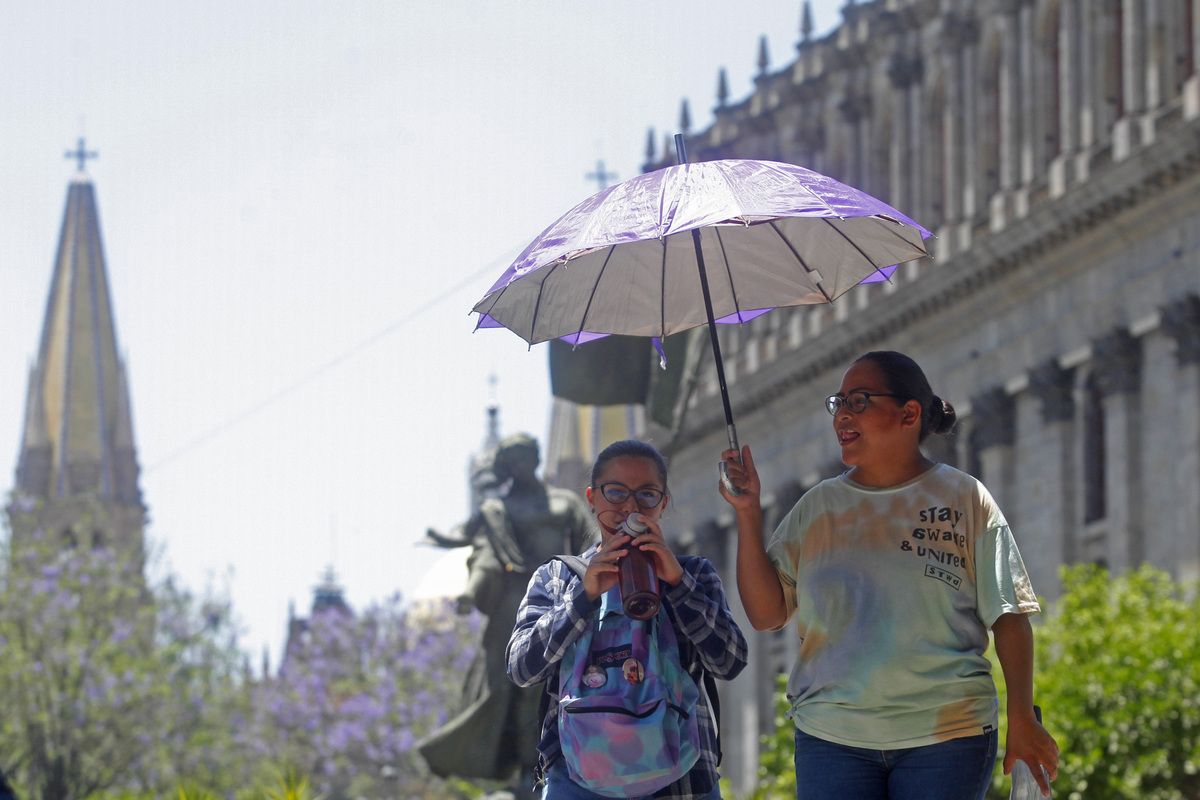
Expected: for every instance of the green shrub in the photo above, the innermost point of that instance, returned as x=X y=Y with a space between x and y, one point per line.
x=1117 y=675
x=1118 y=680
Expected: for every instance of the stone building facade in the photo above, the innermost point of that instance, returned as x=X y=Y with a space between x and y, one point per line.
x=1054 y=148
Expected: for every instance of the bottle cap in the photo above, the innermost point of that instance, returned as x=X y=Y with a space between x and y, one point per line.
x=636 y=523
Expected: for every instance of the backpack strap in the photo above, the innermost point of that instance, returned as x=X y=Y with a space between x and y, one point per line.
x=577 y=564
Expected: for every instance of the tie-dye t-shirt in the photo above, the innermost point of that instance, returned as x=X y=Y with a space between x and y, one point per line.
x=894 y=591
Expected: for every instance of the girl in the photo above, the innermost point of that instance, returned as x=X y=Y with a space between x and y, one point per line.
x=896 y=570
x=628 y=477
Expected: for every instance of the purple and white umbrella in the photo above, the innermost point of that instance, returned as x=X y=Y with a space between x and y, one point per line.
x=695 y=244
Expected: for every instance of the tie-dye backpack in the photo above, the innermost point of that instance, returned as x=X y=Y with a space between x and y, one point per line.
x=627 y=709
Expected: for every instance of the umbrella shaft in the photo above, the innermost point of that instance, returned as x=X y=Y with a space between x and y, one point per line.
x=681 y=150
x=716 y=343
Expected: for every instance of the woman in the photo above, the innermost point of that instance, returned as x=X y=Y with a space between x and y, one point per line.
x=895 y=570
x=628 y=477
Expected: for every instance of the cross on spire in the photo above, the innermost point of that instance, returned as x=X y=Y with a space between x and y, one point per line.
x=81 y=154
x=601 y=176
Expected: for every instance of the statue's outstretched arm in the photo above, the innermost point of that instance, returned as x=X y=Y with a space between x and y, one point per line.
x=461 y=535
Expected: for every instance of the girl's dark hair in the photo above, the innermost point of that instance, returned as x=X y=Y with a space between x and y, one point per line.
x=906 y=379
x=629 y=447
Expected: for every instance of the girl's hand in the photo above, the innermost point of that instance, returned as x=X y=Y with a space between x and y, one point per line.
x=602 y=572
x=654 y=544
x=1028 y=741
x=744 y=476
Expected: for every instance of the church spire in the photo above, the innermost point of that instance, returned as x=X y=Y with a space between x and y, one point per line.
x=78 y=434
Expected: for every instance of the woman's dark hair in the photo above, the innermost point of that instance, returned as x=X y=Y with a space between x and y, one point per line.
x=629 y=447
x=906 y=379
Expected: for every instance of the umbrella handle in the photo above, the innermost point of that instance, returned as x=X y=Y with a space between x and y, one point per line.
x=723 y=468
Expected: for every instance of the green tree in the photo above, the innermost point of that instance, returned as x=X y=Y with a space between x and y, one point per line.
x=108 y=684
x=1118 y=680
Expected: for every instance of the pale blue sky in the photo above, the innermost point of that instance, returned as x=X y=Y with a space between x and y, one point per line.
x=300 y=202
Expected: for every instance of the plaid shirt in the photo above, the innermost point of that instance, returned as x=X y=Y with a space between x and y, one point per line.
x=556 y=611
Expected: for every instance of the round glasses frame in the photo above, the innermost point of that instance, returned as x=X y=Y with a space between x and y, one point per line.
x=855 y=402
x=617 y=493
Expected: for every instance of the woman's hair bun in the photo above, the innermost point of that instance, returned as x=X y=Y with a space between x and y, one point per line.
x=941 y=416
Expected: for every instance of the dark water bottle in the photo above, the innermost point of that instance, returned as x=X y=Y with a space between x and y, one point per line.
x=639 y=584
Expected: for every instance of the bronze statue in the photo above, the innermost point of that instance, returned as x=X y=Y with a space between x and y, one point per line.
x=495 y=732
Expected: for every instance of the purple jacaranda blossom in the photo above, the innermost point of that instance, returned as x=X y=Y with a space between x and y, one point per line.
x=356 y=692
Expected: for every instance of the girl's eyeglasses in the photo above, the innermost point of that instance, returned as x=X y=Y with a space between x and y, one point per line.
x=617 y=493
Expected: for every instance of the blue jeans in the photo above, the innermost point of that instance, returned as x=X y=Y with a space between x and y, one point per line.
x=958 y=769
x=559 y=786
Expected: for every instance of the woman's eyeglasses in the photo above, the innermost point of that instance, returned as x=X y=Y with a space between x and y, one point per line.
x=617 y=493
x=857 y=402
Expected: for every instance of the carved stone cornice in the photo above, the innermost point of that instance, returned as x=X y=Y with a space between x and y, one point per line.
x=1053 y=385
x=993 y=419
x=1181 y=321
x=1117 y=358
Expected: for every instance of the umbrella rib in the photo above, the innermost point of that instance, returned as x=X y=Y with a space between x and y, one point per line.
x=488 y=312
x=852 y=243
x=537 y=306
x=737 y=306
x=798 y=258
x=592 y=296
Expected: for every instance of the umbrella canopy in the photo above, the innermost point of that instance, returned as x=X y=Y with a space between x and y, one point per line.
x=624 y=261
x=763 y=235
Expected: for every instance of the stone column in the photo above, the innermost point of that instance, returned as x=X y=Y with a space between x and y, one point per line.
x=1191 y=87
x=1092 y=101
x=967 y=87
x=904 y=73
x=854 y=110
x=1049 y=529
x=1181 y=321
x=917 y=166
x=1157 y=51
x=1010 y=100
x=993 y=433
x=1028 y=147
x=1117 y=357
x=1127 y=131
x=1071 y=98
x=1008 y=118
x=949 y=150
